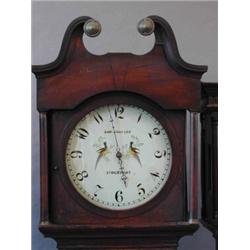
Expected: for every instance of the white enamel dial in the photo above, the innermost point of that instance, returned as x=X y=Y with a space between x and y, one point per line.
x=118 y=157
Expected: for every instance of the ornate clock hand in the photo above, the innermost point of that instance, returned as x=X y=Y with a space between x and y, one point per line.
x=113 y=127
x=134 y=152
x=118 y=152
x=123 y=177
x=102 y=152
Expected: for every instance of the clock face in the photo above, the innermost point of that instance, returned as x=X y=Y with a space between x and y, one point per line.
x=118 y=157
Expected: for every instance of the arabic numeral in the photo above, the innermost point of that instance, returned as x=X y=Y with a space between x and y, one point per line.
x=141 y=190
x=155 y=174
x=159 y=154
x=119 y=110
x=80 y=176
x=139 y=118
x=118 y=196
x=76 y=154
x=82 y=133
x=156 y=131
x=98 y=118
x=98 y=188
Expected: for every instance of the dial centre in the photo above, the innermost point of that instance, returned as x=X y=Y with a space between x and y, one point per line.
x=119 y=155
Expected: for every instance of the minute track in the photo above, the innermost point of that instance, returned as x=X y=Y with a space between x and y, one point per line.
x=124 y=139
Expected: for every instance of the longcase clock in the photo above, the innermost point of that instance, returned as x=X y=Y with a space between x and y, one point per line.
x=120 y=144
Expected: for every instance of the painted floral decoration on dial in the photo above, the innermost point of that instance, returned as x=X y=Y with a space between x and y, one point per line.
x=118 y=157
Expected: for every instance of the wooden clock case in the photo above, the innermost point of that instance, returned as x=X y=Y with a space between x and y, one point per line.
x=159 y=82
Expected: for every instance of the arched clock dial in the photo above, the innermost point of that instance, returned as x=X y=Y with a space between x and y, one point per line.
x=118 y=157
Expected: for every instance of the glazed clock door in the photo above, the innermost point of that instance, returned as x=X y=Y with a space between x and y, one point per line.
x=118 y=157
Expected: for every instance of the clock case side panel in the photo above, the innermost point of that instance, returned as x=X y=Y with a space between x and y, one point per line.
x=193 y=164
x=44 y=169
x=209 y=168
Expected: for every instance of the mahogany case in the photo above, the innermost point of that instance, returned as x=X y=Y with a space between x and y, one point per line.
x=160 y=82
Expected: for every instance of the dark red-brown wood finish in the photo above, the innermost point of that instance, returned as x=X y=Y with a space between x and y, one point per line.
x=209 y=169
x=160 y=82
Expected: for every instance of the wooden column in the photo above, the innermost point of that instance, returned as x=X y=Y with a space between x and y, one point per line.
x=210 y=160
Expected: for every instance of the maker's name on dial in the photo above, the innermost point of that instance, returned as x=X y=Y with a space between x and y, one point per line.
x=117 y=131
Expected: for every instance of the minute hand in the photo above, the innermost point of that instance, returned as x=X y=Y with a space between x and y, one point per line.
x=111 y=120
x=118 y=152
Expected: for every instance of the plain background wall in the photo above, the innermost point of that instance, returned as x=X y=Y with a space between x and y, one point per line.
x=195 y=28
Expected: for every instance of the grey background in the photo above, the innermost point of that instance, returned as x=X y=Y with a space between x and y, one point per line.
x=195 y=28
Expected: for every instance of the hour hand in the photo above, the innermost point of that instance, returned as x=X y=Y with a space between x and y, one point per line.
x=134 y=152
x=102 y=152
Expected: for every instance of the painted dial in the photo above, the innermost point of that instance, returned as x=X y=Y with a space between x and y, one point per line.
x=118 y=157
